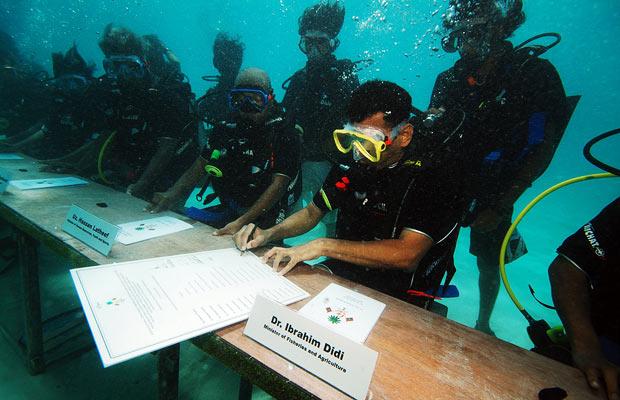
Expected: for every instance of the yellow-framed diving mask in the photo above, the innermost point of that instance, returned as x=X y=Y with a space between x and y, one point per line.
x=365 y=141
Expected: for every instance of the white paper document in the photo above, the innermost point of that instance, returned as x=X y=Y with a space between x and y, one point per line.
x=137 y=307
x=134 y=232
x=28 y=184
x=344 y=311
x=10 y=156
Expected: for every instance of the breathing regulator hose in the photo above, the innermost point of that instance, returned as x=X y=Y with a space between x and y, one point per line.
x=100 y=158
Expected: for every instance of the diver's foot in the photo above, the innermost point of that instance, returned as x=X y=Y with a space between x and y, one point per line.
x=486 y=328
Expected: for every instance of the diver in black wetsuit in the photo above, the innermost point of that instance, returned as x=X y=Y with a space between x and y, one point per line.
x=585 y=280
x=515 y=112
x=252 y=161
x=317 y=95
x=397 y=226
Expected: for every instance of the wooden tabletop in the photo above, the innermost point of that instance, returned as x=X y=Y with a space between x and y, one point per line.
x=421 y=355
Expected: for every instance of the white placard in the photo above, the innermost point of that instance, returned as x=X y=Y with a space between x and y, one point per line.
x=10 y=156
x=44 y=183
x=134 y=232
x=5 y=178
x=341 y=362
x=90 y=229
x=137 y=307
x=344 y=311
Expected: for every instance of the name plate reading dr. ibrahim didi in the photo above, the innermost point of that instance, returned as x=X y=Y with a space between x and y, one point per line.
x=339 y=361
x=91 y=230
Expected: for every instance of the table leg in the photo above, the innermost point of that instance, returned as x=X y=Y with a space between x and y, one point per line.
x=29 y=268
x=245 y=389
x=168 y=372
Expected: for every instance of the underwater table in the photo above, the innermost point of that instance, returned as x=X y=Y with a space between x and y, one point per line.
x=421 y=355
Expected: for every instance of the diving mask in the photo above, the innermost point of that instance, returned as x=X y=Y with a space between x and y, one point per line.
x=249 y=100
x=317 y=43
x=365 y=141
x=473 y=32
x=126 y=67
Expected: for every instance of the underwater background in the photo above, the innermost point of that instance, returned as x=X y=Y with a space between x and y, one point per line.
x=400 y=37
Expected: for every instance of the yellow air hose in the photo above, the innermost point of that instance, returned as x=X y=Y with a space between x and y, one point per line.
x=100 y=158
x=502 y=253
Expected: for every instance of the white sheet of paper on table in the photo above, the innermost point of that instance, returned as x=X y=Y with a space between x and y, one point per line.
x=344 y=311
x=10 y=156
x=137 y=307
x=44 y=183
x=137 y=231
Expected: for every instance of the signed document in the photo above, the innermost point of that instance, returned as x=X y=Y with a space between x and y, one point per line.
x=137 y=307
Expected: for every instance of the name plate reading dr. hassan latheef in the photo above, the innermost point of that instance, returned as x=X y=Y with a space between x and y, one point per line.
x=92 y=230
x=339 y=361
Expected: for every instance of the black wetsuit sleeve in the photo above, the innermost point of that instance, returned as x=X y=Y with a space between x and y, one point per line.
x=287 y=152
x=430 y=208
x=595 y=247
x=328 y=197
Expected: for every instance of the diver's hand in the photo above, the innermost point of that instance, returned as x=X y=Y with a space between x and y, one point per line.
x=230 y=229
x=161 y=201
x=600 y=373
x=487 y=221
x=293 y=255
x=250 y=237
x=136 y=189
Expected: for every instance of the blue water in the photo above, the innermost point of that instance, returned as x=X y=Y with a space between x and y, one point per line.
x=397 y=35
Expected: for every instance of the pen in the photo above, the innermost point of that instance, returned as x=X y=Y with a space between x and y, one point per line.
x=249 y=239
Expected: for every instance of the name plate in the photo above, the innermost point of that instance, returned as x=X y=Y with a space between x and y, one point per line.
x=339 y=361
x=91 y=230
x=5 y=178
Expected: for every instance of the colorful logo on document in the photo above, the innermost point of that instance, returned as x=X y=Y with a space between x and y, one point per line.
x=115 y=301
x=141 y=227
x=337 y=315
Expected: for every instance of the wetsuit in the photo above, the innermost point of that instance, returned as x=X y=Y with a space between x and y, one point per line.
x=507 y=118
x=70 y=125
x=141 y=115
x=595 y=250
x=379 y=205
x=248 y=157
x=316 y=99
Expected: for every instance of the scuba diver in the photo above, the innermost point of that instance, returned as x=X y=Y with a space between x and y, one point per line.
x=145 y=127
x=253 y=162
x=68 y=125
x=512 y=112
x=397 y=227
x=317 y=95
x=23 y=98
x=585 y=279
x=212 y=107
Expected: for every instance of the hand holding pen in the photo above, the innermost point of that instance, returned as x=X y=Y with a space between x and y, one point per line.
x=248 y=237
